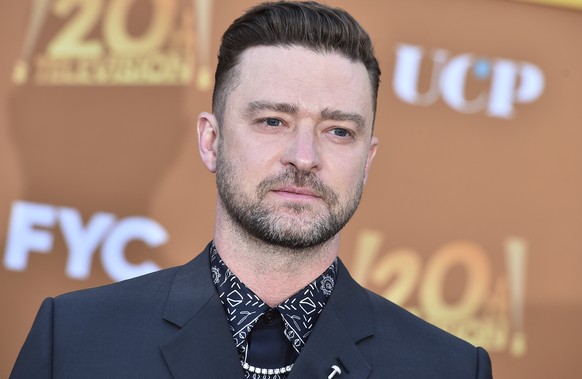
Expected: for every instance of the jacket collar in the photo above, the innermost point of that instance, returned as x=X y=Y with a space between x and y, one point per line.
x=344 y=322
x=204 y=347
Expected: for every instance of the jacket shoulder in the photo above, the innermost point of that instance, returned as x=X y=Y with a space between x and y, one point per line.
x=422 y=344
x=145 y=286
x=402 y=324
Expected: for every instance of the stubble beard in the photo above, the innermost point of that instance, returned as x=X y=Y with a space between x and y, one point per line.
x=291 y=225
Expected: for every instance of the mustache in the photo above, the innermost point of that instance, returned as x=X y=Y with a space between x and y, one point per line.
x=294 y=177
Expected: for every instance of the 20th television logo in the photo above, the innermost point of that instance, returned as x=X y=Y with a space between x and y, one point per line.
x=116 y=42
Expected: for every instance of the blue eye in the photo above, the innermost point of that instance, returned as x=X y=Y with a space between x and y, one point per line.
x=339 y=132
x=272 y=122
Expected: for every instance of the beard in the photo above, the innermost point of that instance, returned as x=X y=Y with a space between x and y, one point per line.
x=290 y=225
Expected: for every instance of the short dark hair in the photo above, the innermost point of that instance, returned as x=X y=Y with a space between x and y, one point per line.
x=307 y=24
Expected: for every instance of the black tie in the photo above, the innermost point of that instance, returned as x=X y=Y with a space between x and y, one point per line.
x=267 y=345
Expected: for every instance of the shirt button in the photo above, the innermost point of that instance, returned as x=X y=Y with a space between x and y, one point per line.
x=269 y=318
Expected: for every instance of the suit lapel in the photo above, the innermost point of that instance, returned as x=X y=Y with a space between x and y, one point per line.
x=203 y=347
x=345 y=320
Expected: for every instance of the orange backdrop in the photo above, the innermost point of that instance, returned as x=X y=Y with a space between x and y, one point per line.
x=471 y=217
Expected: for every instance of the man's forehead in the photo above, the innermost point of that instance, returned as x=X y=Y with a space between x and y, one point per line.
x=303 y=77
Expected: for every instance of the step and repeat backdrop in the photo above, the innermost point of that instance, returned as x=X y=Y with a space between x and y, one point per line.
x=472 y=217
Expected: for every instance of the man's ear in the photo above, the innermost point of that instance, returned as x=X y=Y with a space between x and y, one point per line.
x=208 y=135
x=371 y=155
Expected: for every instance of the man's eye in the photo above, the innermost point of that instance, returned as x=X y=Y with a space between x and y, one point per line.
x=340 y=132
x=273 y=121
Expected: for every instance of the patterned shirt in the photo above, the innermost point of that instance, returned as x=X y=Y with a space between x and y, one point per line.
x=244 y=308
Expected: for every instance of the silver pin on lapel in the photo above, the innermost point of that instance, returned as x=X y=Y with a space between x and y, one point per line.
x=335 y=370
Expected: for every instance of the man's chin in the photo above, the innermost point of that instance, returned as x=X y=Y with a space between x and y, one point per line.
x=306 y=210
x=297 y=232
x=294 y=219
x=293 y=242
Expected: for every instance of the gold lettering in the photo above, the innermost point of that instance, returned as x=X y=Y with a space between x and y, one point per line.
x=71 y=41
x=115 y=30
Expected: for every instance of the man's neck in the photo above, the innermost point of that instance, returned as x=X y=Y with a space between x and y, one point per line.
x=272 y=272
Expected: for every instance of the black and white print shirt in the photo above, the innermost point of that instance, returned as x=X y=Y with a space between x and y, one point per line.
x=244 y=308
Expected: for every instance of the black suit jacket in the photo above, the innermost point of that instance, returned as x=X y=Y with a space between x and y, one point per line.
x=171 y=324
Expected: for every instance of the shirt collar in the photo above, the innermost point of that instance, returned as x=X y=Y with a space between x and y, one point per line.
x=243 y=307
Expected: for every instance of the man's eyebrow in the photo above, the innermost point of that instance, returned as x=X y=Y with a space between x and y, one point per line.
x=326 y=114
x=337 y=115
x=258 y=106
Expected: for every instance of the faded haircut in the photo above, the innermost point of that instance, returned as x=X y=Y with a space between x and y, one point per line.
x=308 y=24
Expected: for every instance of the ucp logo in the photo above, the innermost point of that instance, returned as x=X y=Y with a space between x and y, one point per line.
x=511 y=82
x=32 y=227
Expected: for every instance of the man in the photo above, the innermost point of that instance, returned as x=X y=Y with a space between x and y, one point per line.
x=290 y=141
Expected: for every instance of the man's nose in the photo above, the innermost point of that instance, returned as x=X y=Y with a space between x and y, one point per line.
x=303 y=150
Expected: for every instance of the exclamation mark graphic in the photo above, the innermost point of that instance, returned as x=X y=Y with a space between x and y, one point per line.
x=203 y=9
x=37 y=19
x=516 y=258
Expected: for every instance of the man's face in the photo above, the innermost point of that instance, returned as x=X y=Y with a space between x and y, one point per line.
x=296 y=145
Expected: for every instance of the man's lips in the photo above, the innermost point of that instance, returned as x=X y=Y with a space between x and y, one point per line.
x=296 y=192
